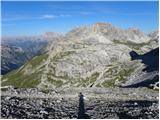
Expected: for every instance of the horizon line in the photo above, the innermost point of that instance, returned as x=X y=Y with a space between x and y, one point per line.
x=83 y=25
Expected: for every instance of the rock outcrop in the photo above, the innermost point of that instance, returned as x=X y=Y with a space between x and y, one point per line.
x=98 y=104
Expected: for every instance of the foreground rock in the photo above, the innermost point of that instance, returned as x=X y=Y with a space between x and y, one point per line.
x=98 y=103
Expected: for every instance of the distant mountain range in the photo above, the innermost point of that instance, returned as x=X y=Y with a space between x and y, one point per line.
x=17 y=50
x=98 y=55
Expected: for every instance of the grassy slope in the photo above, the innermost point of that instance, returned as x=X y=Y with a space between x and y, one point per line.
x=134 y=46
x=17 y=78
x=120 y=76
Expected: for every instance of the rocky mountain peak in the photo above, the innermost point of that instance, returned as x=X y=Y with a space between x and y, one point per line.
x=108 y=32
x=99 y=27
x=154 y=34
x=135 y=30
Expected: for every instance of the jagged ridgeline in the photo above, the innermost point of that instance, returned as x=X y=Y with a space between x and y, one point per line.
x=89 y=56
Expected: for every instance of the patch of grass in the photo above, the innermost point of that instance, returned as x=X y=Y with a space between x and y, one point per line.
x=110 y=72
x=121 y=76
x=46 y=90
x=61 y=55
x=109 y=83
x=88 y=80
x=98 y=85
x=132 y=45
x=36 y=61
x=57 y=83
x=93 y=77
x=65 y=76
x=19 y=80
x=124 y=73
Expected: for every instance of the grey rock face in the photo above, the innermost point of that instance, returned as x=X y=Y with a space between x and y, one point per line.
x=110 y=32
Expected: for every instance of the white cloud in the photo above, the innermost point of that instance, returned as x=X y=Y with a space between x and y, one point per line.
x=48 y=16
x=65 y=15
x=41 y=17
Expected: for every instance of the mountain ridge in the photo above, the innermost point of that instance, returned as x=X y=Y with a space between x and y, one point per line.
x=82 y=58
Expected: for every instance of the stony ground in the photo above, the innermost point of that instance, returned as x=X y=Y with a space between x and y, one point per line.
x=98 y=103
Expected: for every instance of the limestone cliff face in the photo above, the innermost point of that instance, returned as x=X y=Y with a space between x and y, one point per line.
x=110 y=32
x=89 y=56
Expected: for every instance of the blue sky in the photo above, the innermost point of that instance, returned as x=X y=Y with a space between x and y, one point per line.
x=33 y=18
